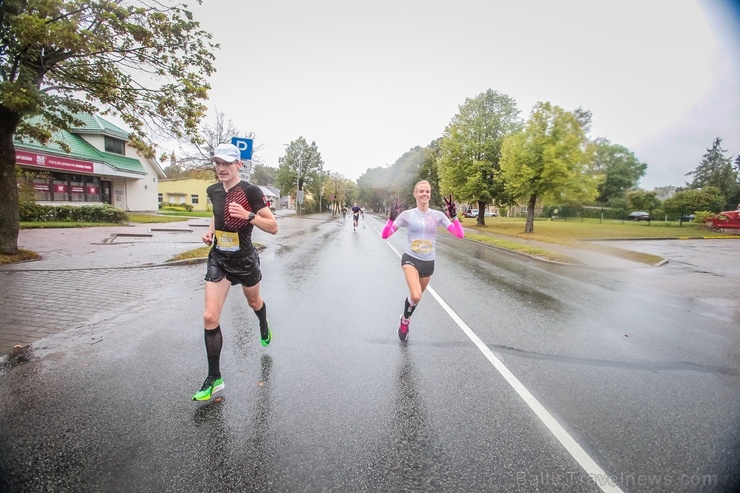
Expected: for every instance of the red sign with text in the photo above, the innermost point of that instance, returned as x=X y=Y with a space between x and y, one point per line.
x=53 y=162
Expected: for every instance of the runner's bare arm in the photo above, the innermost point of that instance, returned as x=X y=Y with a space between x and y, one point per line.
x=265 y=220
x=208 y=235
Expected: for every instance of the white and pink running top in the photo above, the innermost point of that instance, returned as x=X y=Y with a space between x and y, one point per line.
x=421 y=229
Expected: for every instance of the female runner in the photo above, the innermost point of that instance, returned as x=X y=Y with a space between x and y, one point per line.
x=417 y=261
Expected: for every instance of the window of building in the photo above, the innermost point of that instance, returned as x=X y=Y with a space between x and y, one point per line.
x=116 y=146
x=160 y=198
x=64 y=187
x=76 y=188
x=193 y=199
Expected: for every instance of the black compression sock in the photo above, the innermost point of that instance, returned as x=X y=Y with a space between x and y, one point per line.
x=262 y=316
x=408 y=309
x=214 y=342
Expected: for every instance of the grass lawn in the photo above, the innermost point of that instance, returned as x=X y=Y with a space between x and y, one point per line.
x=155 y=218
x=21 y=256
x=186 y=214
x=575 y=232
x=200 y=252
x=559 y=230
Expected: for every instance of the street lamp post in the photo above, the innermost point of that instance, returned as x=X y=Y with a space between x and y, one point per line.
x=297 y=182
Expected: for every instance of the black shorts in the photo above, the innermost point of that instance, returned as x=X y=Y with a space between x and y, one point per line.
x=424 y=267
x=238 y=269
x=355 y=217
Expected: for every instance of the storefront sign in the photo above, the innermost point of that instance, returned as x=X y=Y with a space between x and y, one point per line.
x=53 y=162
x=58 y=188
x=78 y=189
x=41 y=187
x=92 y=190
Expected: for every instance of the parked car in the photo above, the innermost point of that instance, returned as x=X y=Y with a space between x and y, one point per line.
x=638 y=216
x=471 y=213
x=688 y=218
x=725 y=220
x=489 y=214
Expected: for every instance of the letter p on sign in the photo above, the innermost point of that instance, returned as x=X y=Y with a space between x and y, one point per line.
x=244 y=146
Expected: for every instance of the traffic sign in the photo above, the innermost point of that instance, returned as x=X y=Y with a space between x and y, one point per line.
x=244 y=146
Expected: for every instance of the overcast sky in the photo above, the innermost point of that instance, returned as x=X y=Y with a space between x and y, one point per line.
x=367 y=81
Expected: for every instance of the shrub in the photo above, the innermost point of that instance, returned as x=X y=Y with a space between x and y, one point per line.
x=33 y=212
x=701 y=216
x=176 y=207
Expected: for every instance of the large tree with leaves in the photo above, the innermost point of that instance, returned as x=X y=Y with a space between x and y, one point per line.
x=470 y=149
x=550 y=159
x=302 y=163
x=695 y=200
x=641 y=200
x=144 y=61
x=619 y=169
x=716 y=170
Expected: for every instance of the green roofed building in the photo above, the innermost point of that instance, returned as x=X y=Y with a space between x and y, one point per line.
x=100 y=168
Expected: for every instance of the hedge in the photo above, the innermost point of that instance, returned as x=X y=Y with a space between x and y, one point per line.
x=33 y=212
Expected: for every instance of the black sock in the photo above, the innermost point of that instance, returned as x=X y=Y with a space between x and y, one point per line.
x=408 y=310
x=262 y=315
x=214 y=341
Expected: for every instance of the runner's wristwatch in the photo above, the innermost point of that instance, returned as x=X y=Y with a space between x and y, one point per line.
x=251 y=215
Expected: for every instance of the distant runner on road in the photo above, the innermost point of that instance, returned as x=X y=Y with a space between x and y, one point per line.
x=355 y=215
x=238 y=206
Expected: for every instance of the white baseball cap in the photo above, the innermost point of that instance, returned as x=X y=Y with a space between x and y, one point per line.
x=227 y=152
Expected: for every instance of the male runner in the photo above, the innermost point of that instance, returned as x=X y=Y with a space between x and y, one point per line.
x=238 y=206
x=355 y=215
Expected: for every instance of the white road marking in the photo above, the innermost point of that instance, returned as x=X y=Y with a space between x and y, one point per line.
x=593 y=470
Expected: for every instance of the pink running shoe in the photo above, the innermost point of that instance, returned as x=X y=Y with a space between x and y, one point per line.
x=403 y=329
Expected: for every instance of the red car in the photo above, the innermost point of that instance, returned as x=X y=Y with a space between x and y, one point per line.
x=725 y=220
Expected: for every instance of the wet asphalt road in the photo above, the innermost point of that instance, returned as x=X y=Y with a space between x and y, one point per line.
x=641 y=374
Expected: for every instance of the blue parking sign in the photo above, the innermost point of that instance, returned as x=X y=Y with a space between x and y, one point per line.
x=244 y=146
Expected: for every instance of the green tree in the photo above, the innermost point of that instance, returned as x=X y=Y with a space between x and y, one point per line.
x=302 y=164
x=735 y=199
x=691 y=201
x=665 y=192
x=716 y=170
x=470 y=149
x=264 y=175
x=405 y=172
x=619 y=168
x=549 y=160
x=174 y=171
x=641 y=200
x=144 y=61
x=374 y=188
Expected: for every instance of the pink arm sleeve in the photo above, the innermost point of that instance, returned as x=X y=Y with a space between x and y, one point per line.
x=388 y=230
x=456 y=228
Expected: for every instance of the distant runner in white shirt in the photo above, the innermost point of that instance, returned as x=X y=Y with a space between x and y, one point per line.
x=417 y=261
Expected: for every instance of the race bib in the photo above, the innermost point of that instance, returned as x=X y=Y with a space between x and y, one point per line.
x=227 y=241
x=421 y=246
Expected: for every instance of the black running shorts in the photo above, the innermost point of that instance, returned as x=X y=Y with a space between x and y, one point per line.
x=238 y=269
x=424 y=267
